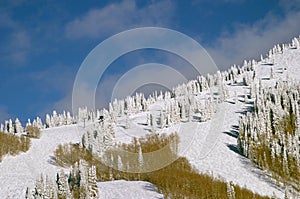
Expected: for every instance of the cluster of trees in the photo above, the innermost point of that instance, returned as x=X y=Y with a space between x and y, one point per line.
x=80 y=183
x=177 y=180
x=50 y=121
x=37 y=123
x=12 y=127
x=99 y=136
x=58 y=119
x=12 y=144
x=270 y=135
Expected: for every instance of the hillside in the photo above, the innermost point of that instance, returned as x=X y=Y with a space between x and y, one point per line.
x=210 y=146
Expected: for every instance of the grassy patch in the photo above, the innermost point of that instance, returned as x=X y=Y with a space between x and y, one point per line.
x=177 y=180
x=13 y=144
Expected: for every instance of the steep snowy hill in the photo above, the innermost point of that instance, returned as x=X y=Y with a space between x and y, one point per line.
x=18 y=172
x=211 y=146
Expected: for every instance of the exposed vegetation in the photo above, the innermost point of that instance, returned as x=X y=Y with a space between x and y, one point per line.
x=33 y=131
x=177 y=180
x=12 y=144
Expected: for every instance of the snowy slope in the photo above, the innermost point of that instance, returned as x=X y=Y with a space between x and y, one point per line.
x=214 y=146
x=209 y=146
x=121 y=189
x=18 y=172
x=224 y=160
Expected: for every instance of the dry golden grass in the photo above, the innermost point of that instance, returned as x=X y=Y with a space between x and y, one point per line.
x=177 y=180
x=33 y=132
x=12 y=144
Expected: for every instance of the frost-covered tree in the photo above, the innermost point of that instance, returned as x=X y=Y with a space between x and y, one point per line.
x=55 y=119
x=50 y=191
x=48 y=121
x=38 y=123
x=269 y=136
x=18 y=126
x=99 y=137
x=92 y=183
x=62 y=185
x=39 y=189
x=80 y=183
x=10 y=127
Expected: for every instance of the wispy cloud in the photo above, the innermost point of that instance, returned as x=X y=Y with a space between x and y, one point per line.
x=19 y=46
x=115 y=17
x=289 y=5
x=56 y=78
x=249 y=41
x=16 y=45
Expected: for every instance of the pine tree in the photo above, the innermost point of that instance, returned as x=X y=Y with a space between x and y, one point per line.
x=50 y=191
x=39 y=188
x=62 y=185
x=48 y=121
x=10 y=127
x=92 y=183
x=18 y=126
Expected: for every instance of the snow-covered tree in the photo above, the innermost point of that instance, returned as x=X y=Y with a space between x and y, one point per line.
x=92 y=183
x=62 y=185
x=48 y=121
x=18 y=126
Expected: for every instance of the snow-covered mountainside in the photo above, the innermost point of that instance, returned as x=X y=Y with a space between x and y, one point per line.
x=210 y=144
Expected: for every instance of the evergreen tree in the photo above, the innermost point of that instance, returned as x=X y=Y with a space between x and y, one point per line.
x=18 y=126
x=92 y=183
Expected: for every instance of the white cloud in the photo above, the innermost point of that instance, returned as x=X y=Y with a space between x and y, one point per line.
x=249 y=41
x=19 y=46
x=289 y=5
x=115 y=17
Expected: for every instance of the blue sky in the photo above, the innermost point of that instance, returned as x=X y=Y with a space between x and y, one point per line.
x=43 y=43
